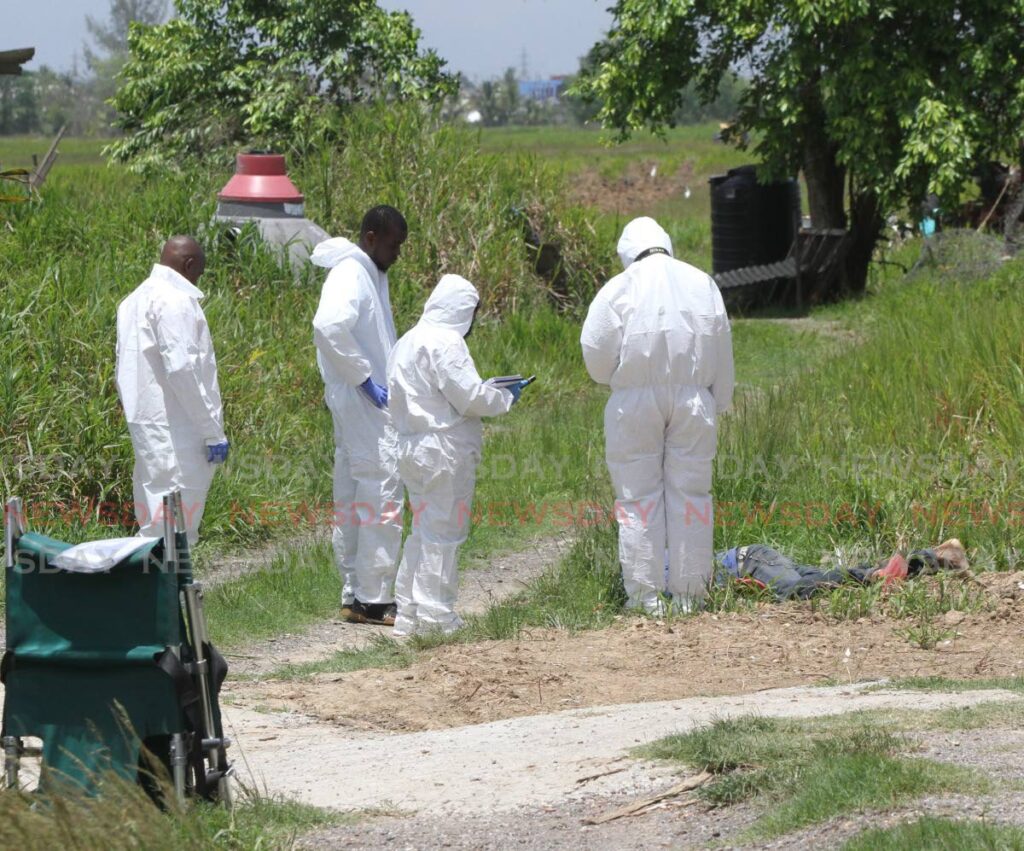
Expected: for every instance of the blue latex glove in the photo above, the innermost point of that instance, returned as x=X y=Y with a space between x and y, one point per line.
x=217 y=453
x=375 y=393
x=517 y=390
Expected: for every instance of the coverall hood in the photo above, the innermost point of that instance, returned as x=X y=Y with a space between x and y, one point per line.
x=451 y=304
x=437 y=399
x=331 y=252
x=639 y=235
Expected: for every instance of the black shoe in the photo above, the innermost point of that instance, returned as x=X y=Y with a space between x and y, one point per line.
x=379 y=613
x=356 y=612
x=386 y=613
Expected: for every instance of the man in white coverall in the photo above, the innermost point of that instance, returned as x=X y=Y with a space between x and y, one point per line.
x=354 y=333
x=437 y=399
x=658 y=334
x=167 y=380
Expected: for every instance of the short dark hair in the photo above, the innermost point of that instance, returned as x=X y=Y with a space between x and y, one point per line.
x=381 y=219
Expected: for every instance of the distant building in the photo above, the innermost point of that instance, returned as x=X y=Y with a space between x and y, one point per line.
x=545 y=91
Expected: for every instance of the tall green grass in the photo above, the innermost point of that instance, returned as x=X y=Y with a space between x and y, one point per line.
x=466 y=209
x=68 y=259
x=904 y=439
x=123 y=817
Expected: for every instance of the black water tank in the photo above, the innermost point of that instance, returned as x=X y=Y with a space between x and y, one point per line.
x=751 y=223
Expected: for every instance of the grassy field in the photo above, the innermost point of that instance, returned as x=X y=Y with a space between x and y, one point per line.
x=888 y=422
x=68 y=259
x=847 y=439
x=19 y=151
x=575 y=149
x=682 y=160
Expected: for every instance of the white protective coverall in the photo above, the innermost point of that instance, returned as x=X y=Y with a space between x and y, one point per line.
x=437 y=399
x=167 y=380
x=354 y=333
x=658 y=334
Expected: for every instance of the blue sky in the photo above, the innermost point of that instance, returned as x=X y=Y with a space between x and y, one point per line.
x=481 y=38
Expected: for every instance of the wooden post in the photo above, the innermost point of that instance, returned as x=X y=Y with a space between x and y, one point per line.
x=799 y=280
x=39 y=175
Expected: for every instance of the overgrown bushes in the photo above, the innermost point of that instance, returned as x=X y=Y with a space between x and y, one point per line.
x=468 y=213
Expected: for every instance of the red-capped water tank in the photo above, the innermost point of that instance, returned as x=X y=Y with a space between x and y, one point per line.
x=261 y=178
x=261 y=192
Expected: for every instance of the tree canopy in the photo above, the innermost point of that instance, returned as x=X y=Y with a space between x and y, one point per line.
x=263 y=72
x=878 y=101
x=105 y=57
x=111 y=36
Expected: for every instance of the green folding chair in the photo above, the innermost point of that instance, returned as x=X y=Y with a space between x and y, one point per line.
x=105 y=667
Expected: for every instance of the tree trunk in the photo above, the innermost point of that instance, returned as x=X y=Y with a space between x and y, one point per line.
x=826 y=184
x=826 y=196
x=865 y=226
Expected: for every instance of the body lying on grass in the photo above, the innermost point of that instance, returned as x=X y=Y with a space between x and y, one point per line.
x=767 y=568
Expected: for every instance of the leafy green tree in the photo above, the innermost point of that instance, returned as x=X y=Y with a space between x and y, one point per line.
x=878 y=101
x=693 y=109
x=19 y=106
x=488 y=101
x=499 y=101
x=582 y=110
x=273 y=73
x=109 y=51
x=511 y=102
x=111 y=36
x=62 y=102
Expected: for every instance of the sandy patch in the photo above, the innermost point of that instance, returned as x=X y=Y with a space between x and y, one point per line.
x=641 y=660
x=642 y=185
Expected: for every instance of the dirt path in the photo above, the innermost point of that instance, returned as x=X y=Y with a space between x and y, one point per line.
x=637 y=659
x=512 y=744
x=535 y=761
x=479 y=587
x=679 y=824
x=225 y=568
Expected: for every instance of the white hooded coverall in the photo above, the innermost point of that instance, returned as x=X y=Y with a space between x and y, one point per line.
x=354 y=332
x=167 y=380
x=437 y=399
x=658 y=334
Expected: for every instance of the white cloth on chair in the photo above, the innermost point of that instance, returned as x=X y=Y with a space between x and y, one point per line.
x=99 y=556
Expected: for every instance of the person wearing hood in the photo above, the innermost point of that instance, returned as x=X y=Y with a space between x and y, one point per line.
x=658 y=334
x=437 y=399
x=354 y=333
x=167 y=381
